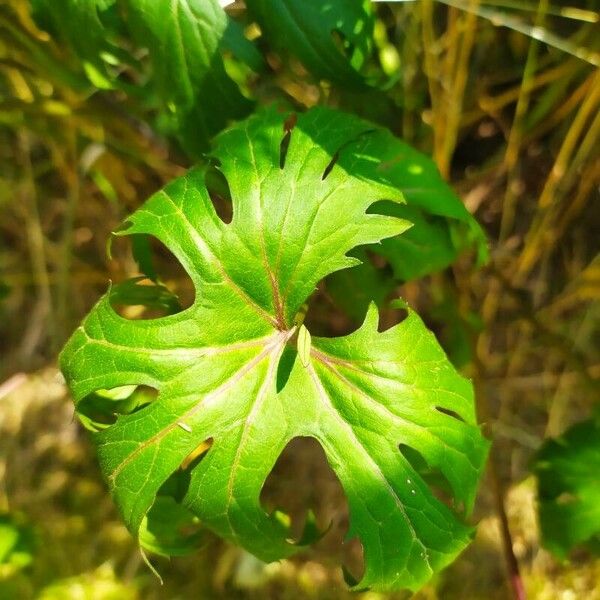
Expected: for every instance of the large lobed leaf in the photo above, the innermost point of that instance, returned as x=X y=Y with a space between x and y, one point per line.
x=230 y=379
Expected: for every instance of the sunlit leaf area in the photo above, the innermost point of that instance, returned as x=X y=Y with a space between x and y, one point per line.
x=299 y=299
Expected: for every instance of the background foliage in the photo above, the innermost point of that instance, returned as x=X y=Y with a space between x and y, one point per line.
x=506 y=97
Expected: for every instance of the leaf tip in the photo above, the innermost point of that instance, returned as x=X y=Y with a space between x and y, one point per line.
x=151 y=566
x=372 y=317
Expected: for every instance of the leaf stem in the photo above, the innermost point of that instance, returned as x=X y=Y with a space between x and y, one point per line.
x=512 y=565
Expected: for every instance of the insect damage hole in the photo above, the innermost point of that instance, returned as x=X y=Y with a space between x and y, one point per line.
x=330 y=165
x=304 y=487
x=345 y=47
x=288 y=126
x=161 y=285
x=198 y=453
x=330 y=317
x=353 y=561
x=101 y=409
x=169 y=528
x=347 y=153
x=219 y=191
x=393 y=313
x=449 y=412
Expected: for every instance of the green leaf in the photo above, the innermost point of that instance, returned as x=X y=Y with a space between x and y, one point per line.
x=185 y=39
x=442 y=226
x=97 y=48
x=227 y=369
x=567 y=469
x=353 y=290
x=17 y=542
x=169 y=529
x=332 y=39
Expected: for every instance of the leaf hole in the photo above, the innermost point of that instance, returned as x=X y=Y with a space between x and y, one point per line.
x=353 y=290
x=329 y=317
x=385 y=207
x=450 y=413
x=219 y=191
x=351 y=148
x=288 y=126
x=169 y=528
x=283 y=149
x=392 y=314
x=353 y=561
x=101 y=409
x=161 y=287
x=330 y=166
x=304 y=487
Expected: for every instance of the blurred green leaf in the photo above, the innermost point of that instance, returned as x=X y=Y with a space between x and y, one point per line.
x=157 y=296
x=457 y=329
x=241 y=48
x=332 y=39
x=442 y=226
x=170 y=529
x=185 y=40
x=568 y=472
x=427 y=247
x=80 y=24
x=17 y=542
